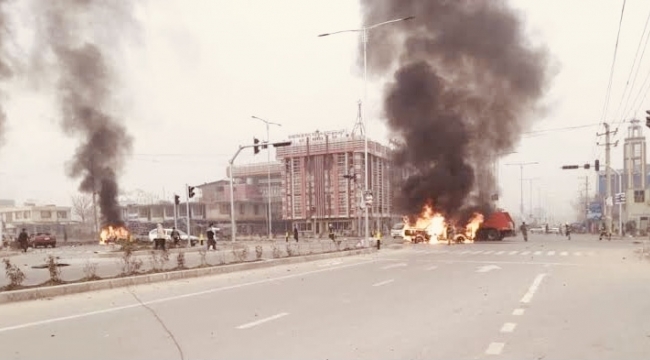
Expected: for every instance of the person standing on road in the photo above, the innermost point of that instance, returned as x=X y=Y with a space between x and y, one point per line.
x=567 y=231
x=23 y=239
x=211 y=240
x=524 y=230
x=176 y=237
x=295 y=233
x=159 y=241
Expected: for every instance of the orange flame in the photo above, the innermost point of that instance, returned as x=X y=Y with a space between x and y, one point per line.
x=112 y=234
x=431 y=221
x=473 y=225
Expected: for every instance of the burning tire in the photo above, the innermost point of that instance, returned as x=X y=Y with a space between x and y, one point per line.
x=459 y=239
x=493 y=235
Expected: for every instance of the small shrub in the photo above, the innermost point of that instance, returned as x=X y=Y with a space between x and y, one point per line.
x=90 y=271
x=53 y=269
x=14 y=274
x=258 y=252
x=202 y=254
x=240 y=255
x=290 y=251
x=276 y=252
x=130 y=264
x=180 y=260
x=158 y=260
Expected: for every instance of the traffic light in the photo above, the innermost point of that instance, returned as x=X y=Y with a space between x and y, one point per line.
x=647 y=118
x=568 y=167
x=597 y=165
x=190 y=191
x=177 y=199
x=256 y=148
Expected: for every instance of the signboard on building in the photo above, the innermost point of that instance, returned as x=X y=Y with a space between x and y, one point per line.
x=319 y=136
x=595 y=211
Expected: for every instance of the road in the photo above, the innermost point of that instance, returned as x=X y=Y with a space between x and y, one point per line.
x=549 y=298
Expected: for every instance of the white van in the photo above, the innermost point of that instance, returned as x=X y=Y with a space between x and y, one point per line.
x=397 y=231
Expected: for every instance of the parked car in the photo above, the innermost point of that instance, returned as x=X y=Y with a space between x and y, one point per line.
x=397 y=231
x=43 y=239
x=154 y=233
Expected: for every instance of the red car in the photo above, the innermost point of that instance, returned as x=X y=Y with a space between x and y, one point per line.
x=43 y=239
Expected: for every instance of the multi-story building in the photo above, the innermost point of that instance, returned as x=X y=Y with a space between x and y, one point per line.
x=36 y=218
x=323 y=181
x=633 y=180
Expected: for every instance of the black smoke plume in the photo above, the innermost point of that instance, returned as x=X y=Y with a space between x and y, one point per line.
x=85 y=86
x=465 y=86
x=5 y=68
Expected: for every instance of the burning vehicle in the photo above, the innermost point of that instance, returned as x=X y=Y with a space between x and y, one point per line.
x=112 y=234
x=431 y=226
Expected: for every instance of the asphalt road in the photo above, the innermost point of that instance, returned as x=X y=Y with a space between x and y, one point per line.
x=549 y=298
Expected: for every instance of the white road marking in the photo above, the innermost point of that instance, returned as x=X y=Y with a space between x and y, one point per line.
x=564 y=253
x=533 y=288
x=537 y=253
x=443 y=251
x=509 y=262
x=477 y=252
x=508 y=327
x=330 y=264
x=513 y=252
x=262 y=321
x=578 y=253
x=499 y=252
x=525 y=253
x=518 y=312
x=487 y=268
x=488 y=252
x=550 y=253
x=176 y=297
x=431 y=268
x=464 y=252
x=394 y=266
x=381 y=283
x=495 y=348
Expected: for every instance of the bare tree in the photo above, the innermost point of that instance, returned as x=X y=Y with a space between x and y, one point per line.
x=82 y=206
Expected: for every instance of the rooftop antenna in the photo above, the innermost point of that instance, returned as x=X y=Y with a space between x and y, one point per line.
x=358 y=124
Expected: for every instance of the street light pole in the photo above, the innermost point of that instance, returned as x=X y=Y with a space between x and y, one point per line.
x=521 y=180
x=364 y=38
x=268 y=174
x=620 y=204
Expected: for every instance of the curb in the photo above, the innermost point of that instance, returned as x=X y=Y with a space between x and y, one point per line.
x=58 y=290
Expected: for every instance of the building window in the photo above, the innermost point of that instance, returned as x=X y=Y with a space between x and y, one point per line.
x=256 y=209
x=46 y=214
x=639 y=196
x=241 y=209
x=27 y=215
x=62 y=214
x=224 y=208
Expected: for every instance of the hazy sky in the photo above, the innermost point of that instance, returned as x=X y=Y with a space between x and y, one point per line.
x=196 y=70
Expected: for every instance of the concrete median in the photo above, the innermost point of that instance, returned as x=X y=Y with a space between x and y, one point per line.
x=73 y=288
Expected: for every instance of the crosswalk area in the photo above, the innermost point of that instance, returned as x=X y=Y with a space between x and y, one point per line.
x=462 y=252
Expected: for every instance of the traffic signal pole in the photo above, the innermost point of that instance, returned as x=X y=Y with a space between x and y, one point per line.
x=231 y=162
x=608 y=176
x=187 y=207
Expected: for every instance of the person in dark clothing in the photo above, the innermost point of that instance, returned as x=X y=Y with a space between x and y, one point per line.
x=176 y=236
x=567 y=231
x=23 y=240
x=211 y=237
x=295 y=233
x=524 y=230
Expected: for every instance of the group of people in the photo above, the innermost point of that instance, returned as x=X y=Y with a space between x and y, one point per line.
x=524 y=230
x=175 y=236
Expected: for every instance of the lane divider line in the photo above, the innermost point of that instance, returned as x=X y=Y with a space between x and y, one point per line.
x=382 y=283
x=261 y=321
x=533 y=288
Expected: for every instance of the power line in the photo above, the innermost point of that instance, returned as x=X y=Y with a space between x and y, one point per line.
x=611 y=71
x=636 y=73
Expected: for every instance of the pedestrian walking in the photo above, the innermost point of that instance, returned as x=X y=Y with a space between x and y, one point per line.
x=23 y=239
x=176 y=236
x=211 y=237
x=295 y=233
x=159 y=241
x=524 y=230
x=567 y=231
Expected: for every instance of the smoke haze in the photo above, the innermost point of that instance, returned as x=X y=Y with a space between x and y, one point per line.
x=77 y=32
x=5 y=68
x=465 y=86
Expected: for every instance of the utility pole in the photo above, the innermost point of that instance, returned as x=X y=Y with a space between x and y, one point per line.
x=608 y=175
x=586 y=196
x=521 y=181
